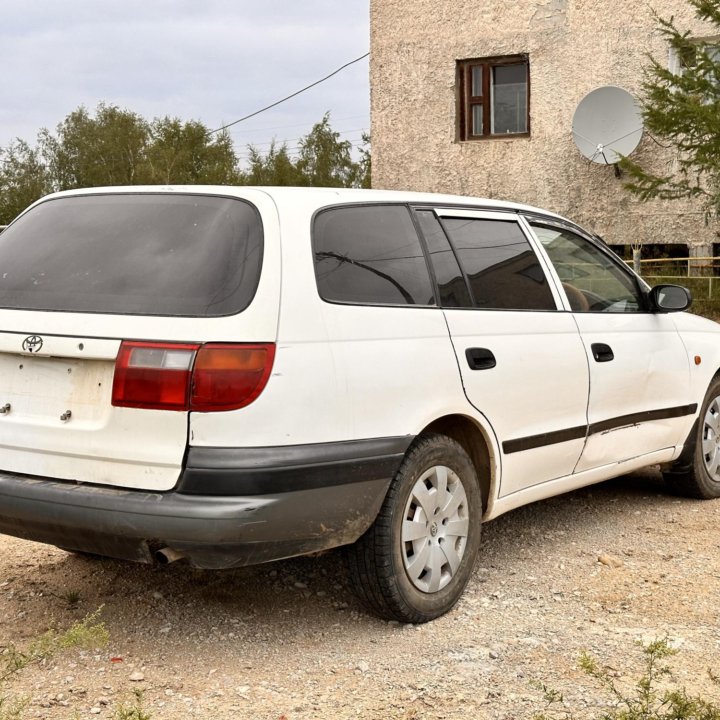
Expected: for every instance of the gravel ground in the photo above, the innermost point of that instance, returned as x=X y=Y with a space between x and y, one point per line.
x=288 y=640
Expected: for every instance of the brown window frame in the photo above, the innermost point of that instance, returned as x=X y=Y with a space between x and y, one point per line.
x=467 y=101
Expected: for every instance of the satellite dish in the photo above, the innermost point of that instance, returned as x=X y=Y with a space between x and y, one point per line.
x=607 y=123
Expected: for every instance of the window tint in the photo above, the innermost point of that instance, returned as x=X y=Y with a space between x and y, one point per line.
x=592 y=281
x=503 y=270
x=451 y=283
x=370 y=254
x=136 y=254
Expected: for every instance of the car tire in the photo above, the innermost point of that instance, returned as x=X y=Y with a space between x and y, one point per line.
x=697 y=474
x=414 y=562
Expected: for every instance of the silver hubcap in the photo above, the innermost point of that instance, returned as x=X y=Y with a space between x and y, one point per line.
x=711 y=439
x=435 y=528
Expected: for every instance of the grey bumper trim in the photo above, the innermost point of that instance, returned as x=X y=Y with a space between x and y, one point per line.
x=259 y=471
x=284 y=502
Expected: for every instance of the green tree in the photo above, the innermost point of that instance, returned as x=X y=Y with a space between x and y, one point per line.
x=682 y=111
x=325 y=159
x=184 y=153
x=365 y=162
x=91 y=151
x=112 y=146
x=23 y=179
x=274 y=168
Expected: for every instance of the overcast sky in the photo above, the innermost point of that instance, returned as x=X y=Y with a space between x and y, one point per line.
x=209 y=60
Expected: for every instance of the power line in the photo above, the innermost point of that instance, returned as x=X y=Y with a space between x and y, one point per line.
x=295 y=94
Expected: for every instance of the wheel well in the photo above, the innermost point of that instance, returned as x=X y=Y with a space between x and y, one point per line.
x=473 y=440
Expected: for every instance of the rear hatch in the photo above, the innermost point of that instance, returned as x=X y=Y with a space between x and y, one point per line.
x=121 y=311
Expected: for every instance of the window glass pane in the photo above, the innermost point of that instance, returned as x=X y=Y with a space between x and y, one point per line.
x=477 y=119
x=592 y=281
x=477 y=80
x=133 y=254
x=509 y=99
x=370 y=254
x=502 y=268
x=453 y=290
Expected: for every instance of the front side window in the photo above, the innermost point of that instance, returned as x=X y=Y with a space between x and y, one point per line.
x=493 y=97
x=502 y=270
x=592 y=280
x=371 y=255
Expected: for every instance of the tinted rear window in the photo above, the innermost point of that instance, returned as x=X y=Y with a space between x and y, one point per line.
x=370 y=254
x=149 y=254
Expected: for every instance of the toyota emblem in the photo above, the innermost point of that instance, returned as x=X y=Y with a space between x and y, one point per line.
x=32 y=343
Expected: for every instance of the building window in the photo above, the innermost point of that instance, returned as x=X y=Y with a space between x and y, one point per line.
x=493 y=97
x=679 y=63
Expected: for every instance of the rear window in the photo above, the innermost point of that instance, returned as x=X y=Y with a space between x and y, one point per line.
x=149 y=254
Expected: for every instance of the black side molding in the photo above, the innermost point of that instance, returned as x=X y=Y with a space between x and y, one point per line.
x=575 y=433
x=550 y=438
x=641 y=417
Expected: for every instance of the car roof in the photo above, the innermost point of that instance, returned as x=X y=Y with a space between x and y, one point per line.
x=318 y=196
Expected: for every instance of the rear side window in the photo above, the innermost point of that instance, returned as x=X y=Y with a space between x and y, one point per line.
x=135 y=254
x=501 y=267
x=370 y=255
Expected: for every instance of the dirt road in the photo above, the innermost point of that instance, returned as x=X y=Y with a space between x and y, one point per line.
x=288 y=639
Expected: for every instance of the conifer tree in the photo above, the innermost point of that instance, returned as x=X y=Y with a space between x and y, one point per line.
x=681 y=110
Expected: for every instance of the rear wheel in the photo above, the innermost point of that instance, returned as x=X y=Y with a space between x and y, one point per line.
x=413 y=564
x=699 y=475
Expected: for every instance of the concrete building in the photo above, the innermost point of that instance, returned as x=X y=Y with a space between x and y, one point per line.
x=433 y=63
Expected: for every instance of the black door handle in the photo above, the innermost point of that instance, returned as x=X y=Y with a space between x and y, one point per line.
x=602 y=352
x=480 y=358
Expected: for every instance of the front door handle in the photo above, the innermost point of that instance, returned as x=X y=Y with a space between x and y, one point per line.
x=480 y=359
x=602 y=352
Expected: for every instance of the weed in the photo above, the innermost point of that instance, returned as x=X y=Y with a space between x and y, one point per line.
x=86 y=633
x=645 y=700
x=134 y=711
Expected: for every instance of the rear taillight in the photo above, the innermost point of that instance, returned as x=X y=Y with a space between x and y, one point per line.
x=205 y=378
x=228 y=377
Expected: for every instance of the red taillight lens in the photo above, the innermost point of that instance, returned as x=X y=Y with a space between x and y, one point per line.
x=154 y=376
x=205 y=378
x=228 y=377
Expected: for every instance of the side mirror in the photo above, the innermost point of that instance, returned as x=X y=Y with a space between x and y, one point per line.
x=670 y=298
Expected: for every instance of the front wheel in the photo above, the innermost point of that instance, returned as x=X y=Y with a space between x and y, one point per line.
x=414 y=562
x=700 y=478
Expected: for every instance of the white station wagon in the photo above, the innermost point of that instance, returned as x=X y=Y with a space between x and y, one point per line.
x=236 y=375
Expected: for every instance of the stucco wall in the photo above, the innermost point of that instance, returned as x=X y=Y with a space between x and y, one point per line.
x=574 y=46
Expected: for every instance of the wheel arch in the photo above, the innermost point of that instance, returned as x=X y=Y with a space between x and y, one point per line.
x=683 y=462
x=476 y=443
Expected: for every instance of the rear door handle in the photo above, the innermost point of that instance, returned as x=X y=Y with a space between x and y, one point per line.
x=602 y=352
x=480 y=359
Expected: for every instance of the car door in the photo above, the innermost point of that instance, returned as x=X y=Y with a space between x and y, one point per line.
x=522 y=362
x=639 y=368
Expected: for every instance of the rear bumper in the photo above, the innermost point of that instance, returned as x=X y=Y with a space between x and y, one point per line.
x=257 y=505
